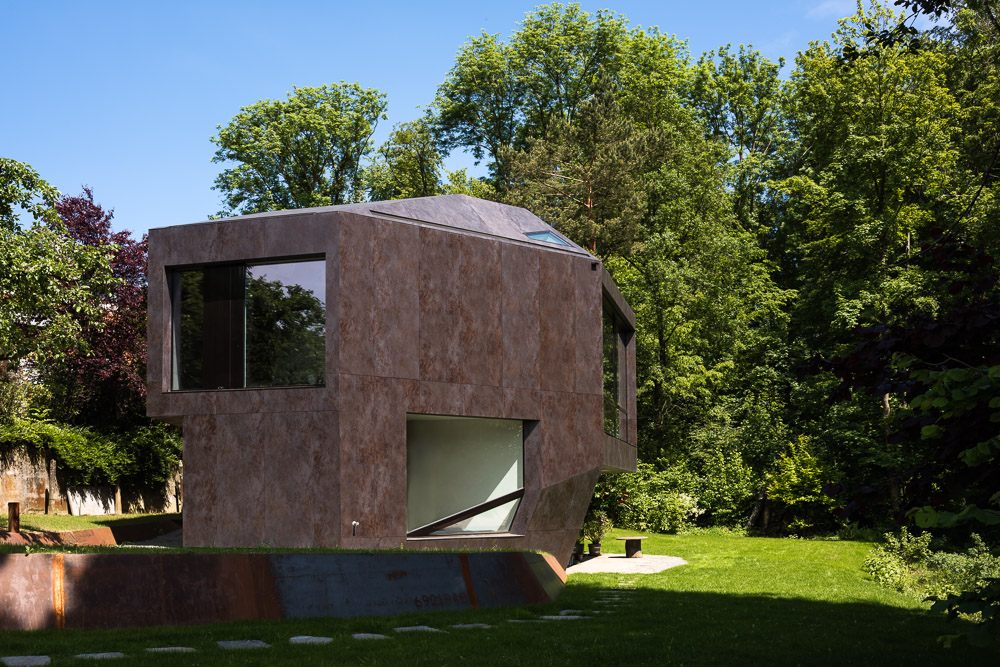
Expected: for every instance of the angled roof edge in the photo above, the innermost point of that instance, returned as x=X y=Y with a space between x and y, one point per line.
x=458 y=212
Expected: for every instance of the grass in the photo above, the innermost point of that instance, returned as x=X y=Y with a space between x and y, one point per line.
x=62 y=522
x=739 y=600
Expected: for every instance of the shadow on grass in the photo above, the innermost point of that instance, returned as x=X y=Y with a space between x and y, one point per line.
x=646 y=626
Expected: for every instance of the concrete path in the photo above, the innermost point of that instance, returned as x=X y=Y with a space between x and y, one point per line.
x=618 y=563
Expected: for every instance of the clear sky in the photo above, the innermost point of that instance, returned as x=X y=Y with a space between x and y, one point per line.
x=124 y=96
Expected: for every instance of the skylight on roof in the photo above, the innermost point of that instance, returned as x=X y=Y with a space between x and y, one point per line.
x=547 y=237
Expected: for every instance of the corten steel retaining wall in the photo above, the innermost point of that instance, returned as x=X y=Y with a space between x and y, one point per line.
x=421 y=317
x=133 y=590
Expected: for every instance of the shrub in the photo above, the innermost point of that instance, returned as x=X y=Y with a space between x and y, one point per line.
x=596 y=526
x=798 y=485
x=141 y=457
x=647 y=500
x=906 y=562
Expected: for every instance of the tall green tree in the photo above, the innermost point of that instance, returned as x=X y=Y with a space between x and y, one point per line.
x=499 y=94
x=46 y=279
x=408 y=164
x=300 y=152
x=586 y=176
x=741 y=99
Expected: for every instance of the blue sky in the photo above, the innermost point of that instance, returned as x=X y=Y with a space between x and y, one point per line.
x=124 y=96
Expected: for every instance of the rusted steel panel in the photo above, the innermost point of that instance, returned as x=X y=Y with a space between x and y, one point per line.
x=135 y=590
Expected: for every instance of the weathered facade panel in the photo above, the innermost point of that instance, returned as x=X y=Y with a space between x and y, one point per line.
x=444 y=308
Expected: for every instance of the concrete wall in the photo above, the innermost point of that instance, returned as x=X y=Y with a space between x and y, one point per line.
x=34 y=482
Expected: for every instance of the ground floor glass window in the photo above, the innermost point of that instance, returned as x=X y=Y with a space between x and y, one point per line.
x=463 y=474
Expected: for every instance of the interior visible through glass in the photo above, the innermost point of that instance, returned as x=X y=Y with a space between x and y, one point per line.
x=249 y=325
x=454 y=464
x=614 y=365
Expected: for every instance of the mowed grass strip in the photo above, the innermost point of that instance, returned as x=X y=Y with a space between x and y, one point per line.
x=739 y=601
x=56 y=523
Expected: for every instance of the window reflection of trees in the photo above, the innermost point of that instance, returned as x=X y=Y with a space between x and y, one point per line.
x=285 y=334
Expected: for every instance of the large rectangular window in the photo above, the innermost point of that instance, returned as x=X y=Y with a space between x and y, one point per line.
x=615 y=339
x=249 y=325
x=463 y=474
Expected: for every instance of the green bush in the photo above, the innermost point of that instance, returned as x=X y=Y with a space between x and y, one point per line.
x=140 y=457
x=906 y=562
x=647 y=500
x=798 y=483
x=725 y=489
x=596 y=526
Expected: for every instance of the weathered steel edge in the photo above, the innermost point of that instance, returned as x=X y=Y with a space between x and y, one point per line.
x=41 y=591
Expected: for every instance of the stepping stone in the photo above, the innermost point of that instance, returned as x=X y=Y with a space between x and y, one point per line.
x=524 y=620
x=570 y=612
x=171 y=649
x=26 y=660
x=306 y=639
x=562 y=618
x=368 y=635
x=243 y=643
x=417 y=628
x=110 y=655
x=470 y=625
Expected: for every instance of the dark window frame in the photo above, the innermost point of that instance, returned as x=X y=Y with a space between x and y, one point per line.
x=428 y=531
x=615 y=397
x=222 y=365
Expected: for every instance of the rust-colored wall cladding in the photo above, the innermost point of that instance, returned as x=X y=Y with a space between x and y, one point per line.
x=437 y=305
x=52 y=591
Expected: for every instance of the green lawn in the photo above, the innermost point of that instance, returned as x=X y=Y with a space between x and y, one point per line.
x=63 y=522
x=739 y=601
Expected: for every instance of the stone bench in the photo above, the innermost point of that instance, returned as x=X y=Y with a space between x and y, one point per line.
x=633 y=546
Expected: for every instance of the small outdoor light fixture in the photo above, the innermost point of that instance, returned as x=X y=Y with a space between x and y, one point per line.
x=354 y=528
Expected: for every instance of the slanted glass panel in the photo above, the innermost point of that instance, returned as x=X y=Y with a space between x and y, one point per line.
x=285 y=324
x=614 y=369
x=547 y=237
x=457 y=463
x=496 y=520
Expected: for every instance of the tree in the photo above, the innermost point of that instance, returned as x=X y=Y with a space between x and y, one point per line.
x=46 y=279
x=741 y=100
x=107 y=386
x=499 y=95
x=301 y=152
x=408 y=164
x=586 y=177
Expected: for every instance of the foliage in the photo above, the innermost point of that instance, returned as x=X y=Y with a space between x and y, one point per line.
x=500 y=94
x=300 y=152
x=584 y=175
x=46 y=279
x=596 y=525
x=648 y=500
x=461 y=184
x=408 y=164
x=798 y=483
x=959 y=582
x=107 y=386
x=145 y=456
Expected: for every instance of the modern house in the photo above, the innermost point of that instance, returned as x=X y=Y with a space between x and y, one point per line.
x=442 y=372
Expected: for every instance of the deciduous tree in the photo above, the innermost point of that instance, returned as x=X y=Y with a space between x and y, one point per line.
x=300 y=152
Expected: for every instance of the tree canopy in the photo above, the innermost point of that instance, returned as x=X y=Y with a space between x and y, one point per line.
x=304 y=151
